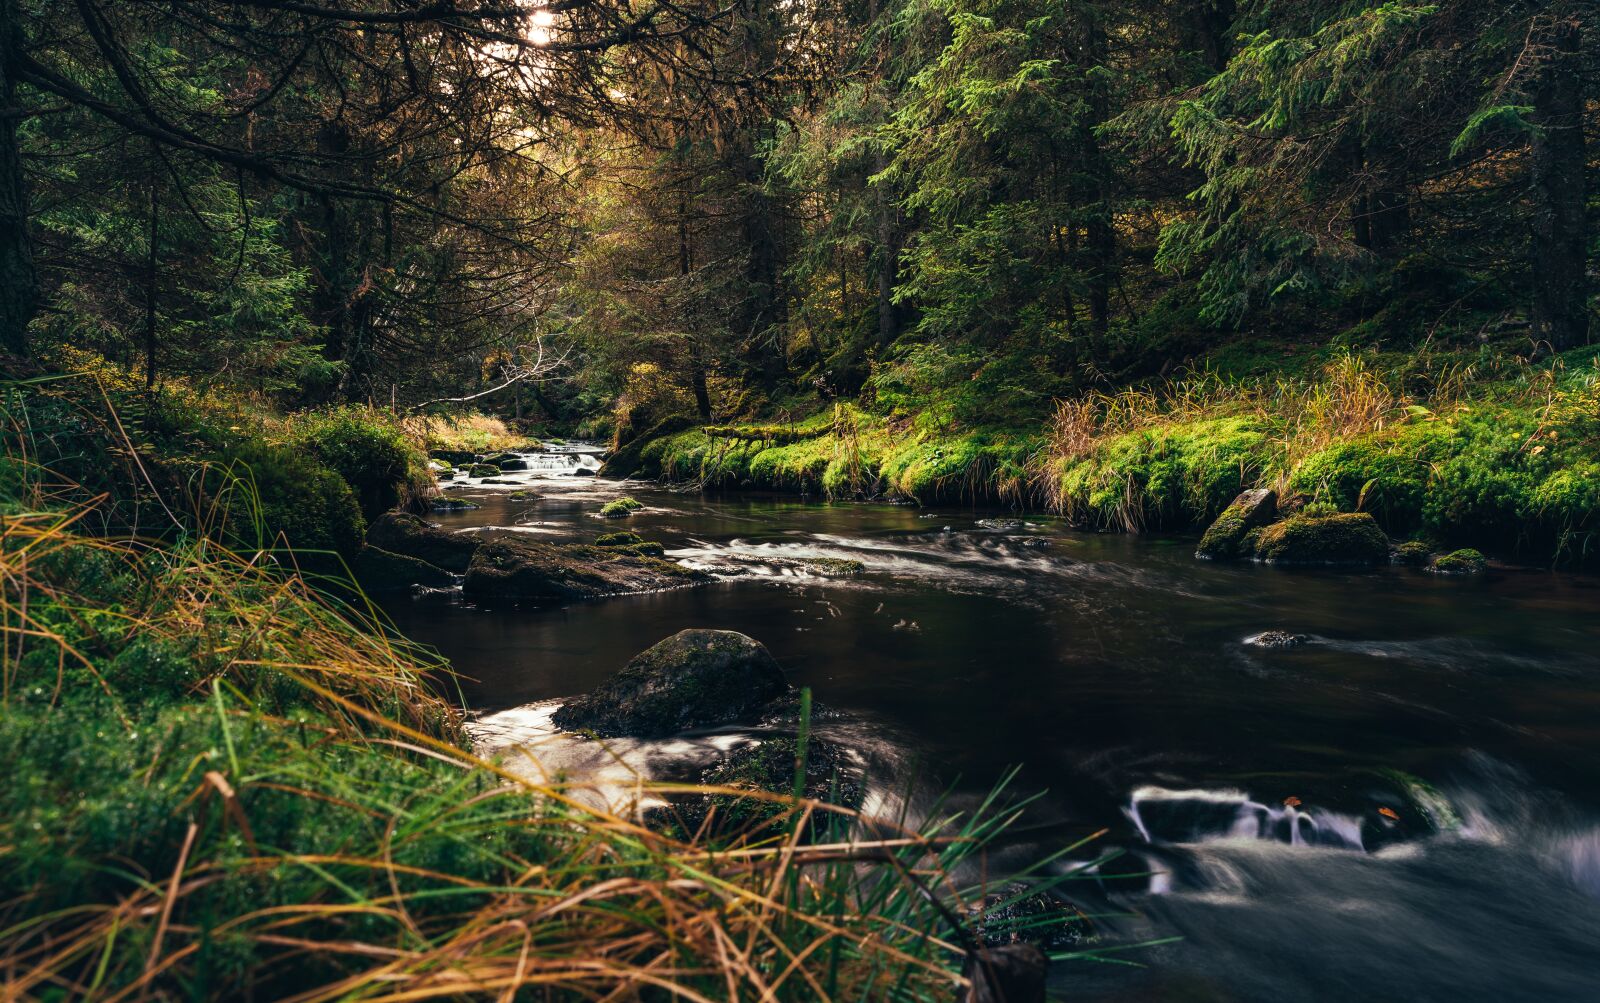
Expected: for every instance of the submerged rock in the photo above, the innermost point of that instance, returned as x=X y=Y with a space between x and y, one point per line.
x=1002 y=525
x=1276 y=639
x=1461 y=562
x=769 y=767
x=1226 y=538
x=406 y=534
x=527 y=570
x=1015 y=914
x=1346 y=539
x=693 y=679
x=378 y=571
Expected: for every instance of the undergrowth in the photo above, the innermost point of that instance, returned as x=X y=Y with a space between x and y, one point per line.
x=1497 y=454
x=225 y=783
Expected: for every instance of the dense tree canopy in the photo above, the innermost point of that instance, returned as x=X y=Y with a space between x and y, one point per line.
x=733 y=202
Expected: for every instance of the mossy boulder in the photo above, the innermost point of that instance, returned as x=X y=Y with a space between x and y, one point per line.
x=621 y=508
x=1412 y=554
x=622 y=539
x=483 y=470
x=1351 y=539
x=454 y=457
x=1461 y=562
x=1225 y=540
x=506 y=461
x=693 y=679
x=629 y=457
x=379 y=571
x=529 y=571
x=403 y=533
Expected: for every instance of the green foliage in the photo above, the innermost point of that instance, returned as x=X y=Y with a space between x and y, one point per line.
x=382 y=463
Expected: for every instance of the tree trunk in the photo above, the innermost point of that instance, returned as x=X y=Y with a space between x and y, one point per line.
x=889 y=261
x=1558 y=252
x=19 y=278
x=152 y=275
x=1102 y=241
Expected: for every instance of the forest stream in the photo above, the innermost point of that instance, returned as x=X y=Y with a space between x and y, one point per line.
x=1404 y=805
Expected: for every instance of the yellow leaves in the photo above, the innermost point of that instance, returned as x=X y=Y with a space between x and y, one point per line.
x=1389 y=813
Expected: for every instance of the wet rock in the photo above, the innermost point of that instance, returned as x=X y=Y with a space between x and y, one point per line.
x=1461 y=562
x=454 y=457
x=620 y=508
x=380 y=571
x=1015 y=914
x=499 y=481
x=483 y=470
x=525 y=570
x=451 y=505
x=1347 y=539
x=1276 y=639
x=693 y=679
x=584 y=472
x=524 y=496
x=403 y=533
x=1002 y=525
x=514 y=464
x=769 y=767
x=1225 y=540
x=825 y=567
x=1412 y=553
x=502 y=460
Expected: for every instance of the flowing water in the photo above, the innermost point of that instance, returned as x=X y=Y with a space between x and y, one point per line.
x=1406 y=806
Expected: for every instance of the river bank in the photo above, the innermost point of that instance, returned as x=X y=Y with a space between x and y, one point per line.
x=1447 y=452
x=230 y=776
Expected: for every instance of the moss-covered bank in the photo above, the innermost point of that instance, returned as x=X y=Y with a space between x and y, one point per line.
x=1506 y=460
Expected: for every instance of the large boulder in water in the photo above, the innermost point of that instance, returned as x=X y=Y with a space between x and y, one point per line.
x=768 y=767
x=1225 y=540
x=525 y=570
x=379 y=571
x=403 y=533
x=693 y=679
x=1351 y=538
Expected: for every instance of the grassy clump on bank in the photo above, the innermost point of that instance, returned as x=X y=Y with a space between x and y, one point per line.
x=1504 y=457
x=224 y=783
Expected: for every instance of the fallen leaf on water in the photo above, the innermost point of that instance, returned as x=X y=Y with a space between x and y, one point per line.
x=1389 y=813
x=1292 y=802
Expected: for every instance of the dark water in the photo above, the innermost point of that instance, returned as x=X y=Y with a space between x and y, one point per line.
x=1116 y=671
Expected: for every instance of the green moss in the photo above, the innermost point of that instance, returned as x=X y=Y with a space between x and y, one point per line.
x=620 y=508
x=1353 y=538
x=1413 y=553
x=623 y=539
x=483 y=470
x=382 y=464
x=1461 y=562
